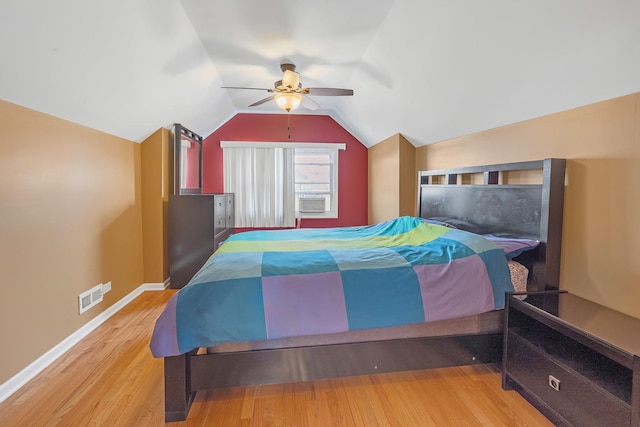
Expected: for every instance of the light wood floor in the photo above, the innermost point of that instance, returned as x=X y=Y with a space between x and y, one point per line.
x=111 y=379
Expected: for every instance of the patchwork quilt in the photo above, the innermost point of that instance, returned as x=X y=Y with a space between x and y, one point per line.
x=274 y=284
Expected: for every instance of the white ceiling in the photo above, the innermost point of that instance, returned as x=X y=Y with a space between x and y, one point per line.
x=431 y=70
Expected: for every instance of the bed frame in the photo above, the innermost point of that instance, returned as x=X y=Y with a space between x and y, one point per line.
x=523 y=210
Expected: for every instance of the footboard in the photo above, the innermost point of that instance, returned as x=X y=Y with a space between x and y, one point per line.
x=185 y=374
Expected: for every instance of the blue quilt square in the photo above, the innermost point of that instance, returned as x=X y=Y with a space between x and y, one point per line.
x=471 y=240
x=357 y=259
x=439 y=251
x=240 y=309
x=304 y=262
x=230 y=265
x=382 y=297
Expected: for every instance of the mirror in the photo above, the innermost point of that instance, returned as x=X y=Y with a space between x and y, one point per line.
x=187 y=161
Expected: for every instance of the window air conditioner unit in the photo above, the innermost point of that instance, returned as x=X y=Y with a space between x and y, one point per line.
x=312 y=204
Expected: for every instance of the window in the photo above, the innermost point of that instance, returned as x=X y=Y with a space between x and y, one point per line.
x=272 y=189
x=316 y=182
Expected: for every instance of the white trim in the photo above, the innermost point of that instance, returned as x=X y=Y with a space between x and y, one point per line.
x=256 y=144
x=14 y=383
x=156 y=286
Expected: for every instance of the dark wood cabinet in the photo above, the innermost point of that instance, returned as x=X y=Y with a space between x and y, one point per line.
x=575 y=360
x=198 y=225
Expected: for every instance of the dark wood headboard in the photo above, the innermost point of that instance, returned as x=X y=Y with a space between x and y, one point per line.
x=523 y=210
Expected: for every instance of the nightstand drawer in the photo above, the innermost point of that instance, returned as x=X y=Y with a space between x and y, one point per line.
x=578 y=400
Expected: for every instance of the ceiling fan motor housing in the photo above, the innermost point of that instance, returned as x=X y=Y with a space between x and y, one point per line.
x=284 y=66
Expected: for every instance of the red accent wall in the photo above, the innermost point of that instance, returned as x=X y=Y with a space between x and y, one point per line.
x=352 y=163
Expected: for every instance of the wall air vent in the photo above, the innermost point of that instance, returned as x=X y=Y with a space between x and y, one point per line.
x=312 y=204
x=89 y=298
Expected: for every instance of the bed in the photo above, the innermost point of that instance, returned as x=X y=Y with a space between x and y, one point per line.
x=405 y=330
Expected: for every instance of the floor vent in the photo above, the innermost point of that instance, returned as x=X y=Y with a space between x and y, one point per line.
x=89 y=298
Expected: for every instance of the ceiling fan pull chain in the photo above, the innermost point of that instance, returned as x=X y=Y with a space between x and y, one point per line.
x=289 y=126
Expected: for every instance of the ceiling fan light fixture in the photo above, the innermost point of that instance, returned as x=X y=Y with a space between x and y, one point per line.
x=288 y=100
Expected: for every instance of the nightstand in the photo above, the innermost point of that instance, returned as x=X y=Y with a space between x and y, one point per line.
x=576 y=361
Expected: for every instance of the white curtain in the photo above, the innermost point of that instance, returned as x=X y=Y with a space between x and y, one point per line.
x=262 y=180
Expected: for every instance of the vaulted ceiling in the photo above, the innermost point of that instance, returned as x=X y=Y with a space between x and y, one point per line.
x=431 y=70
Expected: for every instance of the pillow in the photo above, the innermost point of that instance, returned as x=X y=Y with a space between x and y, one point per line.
x=519 y=275
x=458 y=224
x=512 y=246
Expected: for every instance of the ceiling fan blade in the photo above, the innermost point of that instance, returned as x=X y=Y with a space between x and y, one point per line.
x=327 y=91
x=309 y=104
x=252 y=88
x=262 y=101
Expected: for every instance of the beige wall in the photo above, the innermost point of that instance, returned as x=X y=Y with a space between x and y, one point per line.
x=70 y=218
x=392 y=179
x=384 y=180
x=155 y=206
x=408 y=177
x=601 y=142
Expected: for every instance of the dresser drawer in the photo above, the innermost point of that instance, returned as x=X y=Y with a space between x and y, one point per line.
x=578 y=400
x=219 y=214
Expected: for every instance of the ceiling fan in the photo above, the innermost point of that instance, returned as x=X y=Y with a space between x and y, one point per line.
x=289 y=93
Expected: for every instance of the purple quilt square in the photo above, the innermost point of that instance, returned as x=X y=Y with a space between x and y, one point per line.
x=459 y=288
x=304 y=304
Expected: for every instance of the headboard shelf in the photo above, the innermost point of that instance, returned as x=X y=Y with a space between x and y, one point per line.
x=490 y=170
x=491 y=173
x=524 y=210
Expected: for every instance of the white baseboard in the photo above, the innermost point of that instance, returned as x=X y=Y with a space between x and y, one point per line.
x=21 y=378
x=157 y=286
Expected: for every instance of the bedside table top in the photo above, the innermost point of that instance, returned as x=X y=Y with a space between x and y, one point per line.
x=593 y=319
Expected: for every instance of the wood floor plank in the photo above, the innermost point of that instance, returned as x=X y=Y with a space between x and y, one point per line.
x=364 y=407
x=110 y=378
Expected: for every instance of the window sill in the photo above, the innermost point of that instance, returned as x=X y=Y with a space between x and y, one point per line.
x=320 y=215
